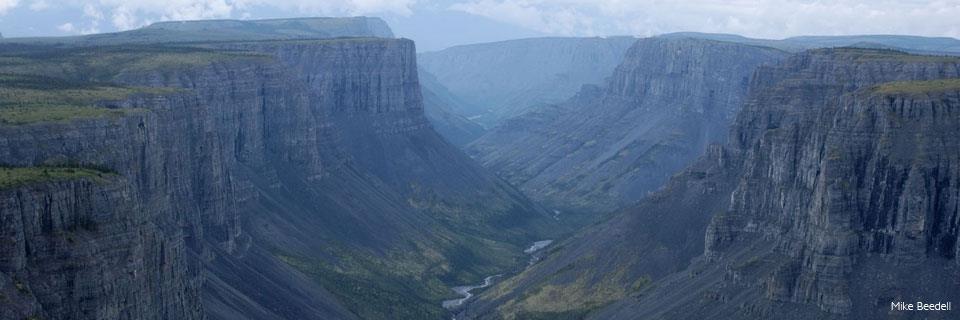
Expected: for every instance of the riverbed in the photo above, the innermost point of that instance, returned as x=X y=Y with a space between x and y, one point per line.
x=465 y=291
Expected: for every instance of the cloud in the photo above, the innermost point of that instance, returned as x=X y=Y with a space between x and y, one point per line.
x=6 y=5
x=66 y=27
x=759 y=18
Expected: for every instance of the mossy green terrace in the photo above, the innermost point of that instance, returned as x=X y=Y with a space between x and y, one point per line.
x=869 y=55
x=12 y=177
x=918 y=87
x=36 y=114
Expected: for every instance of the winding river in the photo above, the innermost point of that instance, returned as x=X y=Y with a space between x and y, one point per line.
x=465 y=291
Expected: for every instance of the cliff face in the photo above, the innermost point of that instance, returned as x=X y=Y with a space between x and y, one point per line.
x=86 y=249
x=834 y=196
x=858 y=182
x=504 y=79
x=610 y=146
x=290 y=167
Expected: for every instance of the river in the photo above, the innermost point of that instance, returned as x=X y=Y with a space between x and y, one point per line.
x=465 y=291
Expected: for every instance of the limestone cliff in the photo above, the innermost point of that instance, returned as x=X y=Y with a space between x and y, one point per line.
x=270 y=178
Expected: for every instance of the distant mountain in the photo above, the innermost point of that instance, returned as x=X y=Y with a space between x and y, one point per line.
x=915 y=44
x=229 y=30
x=504 y=79
x=609 y=146
x=834 y=197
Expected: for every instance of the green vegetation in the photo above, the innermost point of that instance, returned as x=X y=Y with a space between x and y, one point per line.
x=572 y=292
x=44 y=83
x=372 y=291
x=11 y=177
x=34 y=114
x=575 y=314
x=917 y=87
x=406 y=283
x=868 y=54
x=104 y=64
x=30 y=99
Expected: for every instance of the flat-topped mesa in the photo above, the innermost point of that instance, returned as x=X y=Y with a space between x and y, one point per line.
x=282 y=28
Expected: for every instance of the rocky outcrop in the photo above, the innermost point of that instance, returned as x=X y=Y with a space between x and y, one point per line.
x=86 y=249
x=264 y=166
x=610 y=146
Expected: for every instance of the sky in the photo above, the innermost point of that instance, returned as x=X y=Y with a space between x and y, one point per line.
x=436 y=24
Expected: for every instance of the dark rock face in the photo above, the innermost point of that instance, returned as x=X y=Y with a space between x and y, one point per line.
x=267 y=171
x=832 y=199
x=610 y=146
x=88 y=250
x=504 y=79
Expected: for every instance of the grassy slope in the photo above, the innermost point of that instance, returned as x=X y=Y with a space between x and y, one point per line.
x=43 y=84
x=16 y=177
x=917 y=87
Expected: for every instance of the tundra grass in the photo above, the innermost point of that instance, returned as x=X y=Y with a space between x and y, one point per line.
x=12 y=177
x=916 y=87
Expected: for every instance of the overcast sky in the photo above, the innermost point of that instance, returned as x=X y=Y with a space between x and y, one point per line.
x=436 y=24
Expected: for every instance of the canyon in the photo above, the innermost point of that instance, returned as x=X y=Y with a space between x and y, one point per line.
x=321 y=168
x=260 y=179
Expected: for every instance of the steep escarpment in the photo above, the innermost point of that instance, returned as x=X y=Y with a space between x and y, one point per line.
x=610 y=146
x=77 y=245
x=834 y=197
x=844 y=201
x=302 y=168
x=504 y=79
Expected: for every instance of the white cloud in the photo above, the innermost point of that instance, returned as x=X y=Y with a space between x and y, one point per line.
x=90 y=11
x=6 y=5
x=66 y=27
x=759 y=18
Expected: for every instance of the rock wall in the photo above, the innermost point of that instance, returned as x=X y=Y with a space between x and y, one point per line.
x=845 y=200
x=265 y=164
